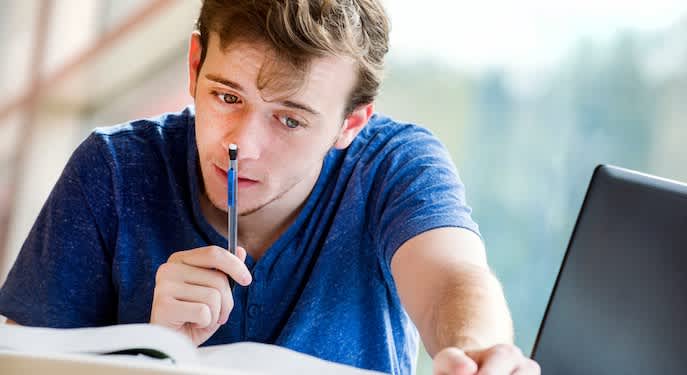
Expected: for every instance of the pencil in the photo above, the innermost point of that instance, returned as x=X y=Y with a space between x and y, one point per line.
x=232 y=187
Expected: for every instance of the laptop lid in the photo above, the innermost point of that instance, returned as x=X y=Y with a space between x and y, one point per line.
x=619 y=303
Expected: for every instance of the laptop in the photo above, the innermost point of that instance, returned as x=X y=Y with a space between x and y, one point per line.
x=619 y=304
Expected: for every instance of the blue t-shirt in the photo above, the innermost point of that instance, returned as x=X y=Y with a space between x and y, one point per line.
x=128 y=199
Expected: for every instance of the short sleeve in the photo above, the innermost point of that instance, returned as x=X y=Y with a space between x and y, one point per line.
x=416 y=188
x=62 y=275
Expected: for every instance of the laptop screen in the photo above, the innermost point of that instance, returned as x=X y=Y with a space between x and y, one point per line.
x=619 y=305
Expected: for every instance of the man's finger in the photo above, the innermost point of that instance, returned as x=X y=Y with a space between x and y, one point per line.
x=453 y=361
x=176 y=272
x=216 y=280
x=198 y=314
x=214 y=257
x=200 y=294
x=530 y=367
x=241 y=253
x=500 y=359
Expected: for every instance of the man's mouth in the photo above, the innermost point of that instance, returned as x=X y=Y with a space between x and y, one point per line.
x=243 y=181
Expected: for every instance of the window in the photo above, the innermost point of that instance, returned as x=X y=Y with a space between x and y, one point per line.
x=529 y=97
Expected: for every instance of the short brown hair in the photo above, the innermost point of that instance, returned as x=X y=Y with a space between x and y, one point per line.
x=299 y=30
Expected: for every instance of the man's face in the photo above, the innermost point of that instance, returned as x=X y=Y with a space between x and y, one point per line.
x=282 y=140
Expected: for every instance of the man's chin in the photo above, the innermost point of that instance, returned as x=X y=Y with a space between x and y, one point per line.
x=219 y=203
x=250 y=210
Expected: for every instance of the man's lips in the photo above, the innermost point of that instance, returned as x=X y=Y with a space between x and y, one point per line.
x=242 y=181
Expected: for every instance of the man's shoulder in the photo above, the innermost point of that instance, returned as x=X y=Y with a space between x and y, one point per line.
x=161 y=125
x=142 y=139
x=158 y=143
x=385 y=126
x=384 y=136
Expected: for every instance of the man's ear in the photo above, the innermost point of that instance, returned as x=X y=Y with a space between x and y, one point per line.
x=353 y=124
x=194 y=52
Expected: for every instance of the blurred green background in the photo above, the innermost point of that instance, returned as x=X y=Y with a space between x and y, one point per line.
x=527 y=135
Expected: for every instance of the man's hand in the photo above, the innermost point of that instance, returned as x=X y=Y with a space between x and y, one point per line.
x=497 y=360
x=192 y=293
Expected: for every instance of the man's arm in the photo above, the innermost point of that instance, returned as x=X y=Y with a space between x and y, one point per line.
x=69 y=243
x=445 y=284
x=457 y=304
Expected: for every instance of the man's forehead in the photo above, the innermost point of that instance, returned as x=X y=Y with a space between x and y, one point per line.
x=276 y=78
x=240 y=52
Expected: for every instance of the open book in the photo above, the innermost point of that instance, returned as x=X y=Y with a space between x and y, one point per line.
x=146 y=349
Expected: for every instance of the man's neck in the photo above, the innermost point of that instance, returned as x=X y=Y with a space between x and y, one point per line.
x=259 y=230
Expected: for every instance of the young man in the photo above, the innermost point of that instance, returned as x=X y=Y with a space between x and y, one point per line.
x=353 y=228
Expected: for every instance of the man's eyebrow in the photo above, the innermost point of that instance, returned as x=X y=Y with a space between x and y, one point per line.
x=224 y=82
x=291 y=104
x=286 y=103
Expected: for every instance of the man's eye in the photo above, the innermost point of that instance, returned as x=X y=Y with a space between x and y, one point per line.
x=229 y=98
x=290 y=122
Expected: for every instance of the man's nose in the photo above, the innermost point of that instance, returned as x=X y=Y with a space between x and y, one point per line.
x=247 y=133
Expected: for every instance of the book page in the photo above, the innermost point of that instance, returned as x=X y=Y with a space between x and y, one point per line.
x=98 y=340
x=59 y=345
x=254 y=358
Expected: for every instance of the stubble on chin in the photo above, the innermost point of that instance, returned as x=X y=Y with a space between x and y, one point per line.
x=276 y=197
x=260 y=206
x=220 y=204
